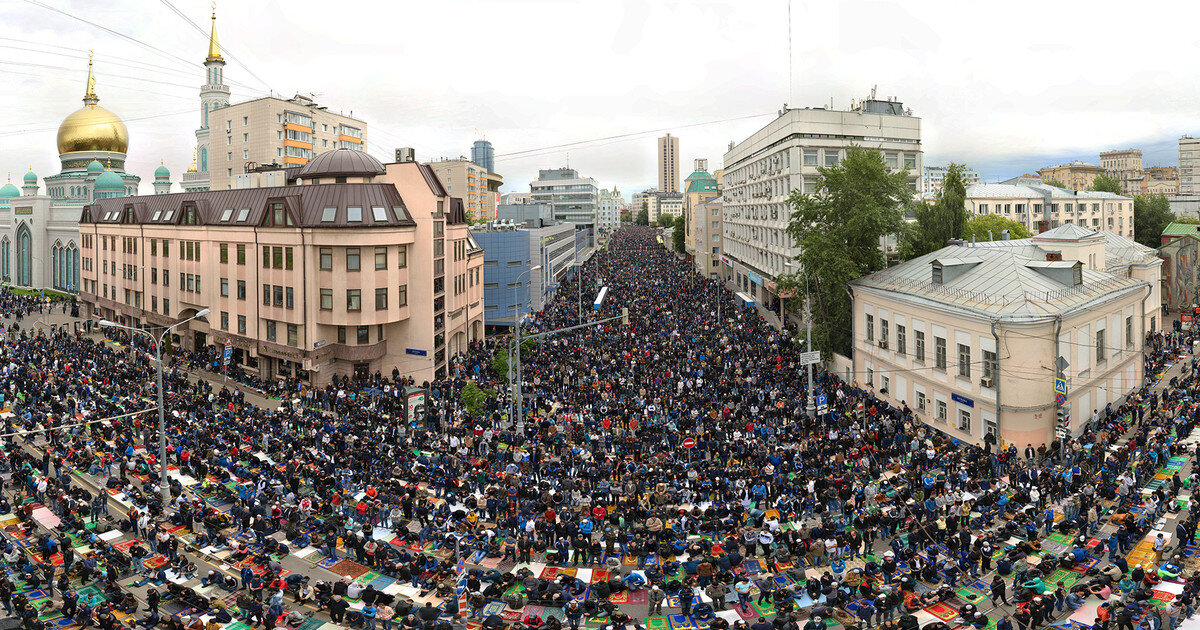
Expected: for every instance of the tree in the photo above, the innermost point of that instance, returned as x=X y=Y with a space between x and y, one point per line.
x=1054 y=182
x=643 y=216
x=1106 y=183
x=838 y=232
x=678 y=232
x=626 y=216
x=473 y=398
x=977 y=228
x=1151 y=215
x=940 y=221
x=666 y=220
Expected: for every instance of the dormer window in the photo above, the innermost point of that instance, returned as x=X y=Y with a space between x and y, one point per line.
x=277 y=216
x=190 y=216
x=937 y=273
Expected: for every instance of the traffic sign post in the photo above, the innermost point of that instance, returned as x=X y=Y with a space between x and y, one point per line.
x=809 y=358
x=688 y=443
x=822 y=403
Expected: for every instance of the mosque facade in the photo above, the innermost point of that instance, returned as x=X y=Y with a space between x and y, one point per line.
x=39 y=223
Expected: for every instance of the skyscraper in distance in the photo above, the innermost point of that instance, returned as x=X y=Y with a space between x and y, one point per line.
x=482 y=154
x=668 y=164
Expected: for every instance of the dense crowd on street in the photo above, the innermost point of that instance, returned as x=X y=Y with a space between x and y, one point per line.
x=867 y=515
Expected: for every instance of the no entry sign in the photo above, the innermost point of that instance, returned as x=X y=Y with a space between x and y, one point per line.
x=689 y=443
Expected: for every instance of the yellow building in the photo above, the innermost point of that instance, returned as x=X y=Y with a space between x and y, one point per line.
x=1074 y=175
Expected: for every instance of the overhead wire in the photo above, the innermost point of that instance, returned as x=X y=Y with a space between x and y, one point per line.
x=224 y=51
x=150 y=47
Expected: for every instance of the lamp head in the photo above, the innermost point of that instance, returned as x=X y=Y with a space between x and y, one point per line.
x=203 y=313
x=104 y=323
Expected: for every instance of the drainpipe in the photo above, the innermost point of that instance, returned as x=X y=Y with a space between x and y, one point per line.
x=1149 y=291
x=1054 y=368
x=995 y=336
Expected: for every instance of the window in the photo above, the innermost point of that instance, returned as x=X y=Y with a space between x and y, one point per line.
x=266 y=257
x=241 y=324
x=402 y=294
x=341 y=334
x=991 y=365
x=901 y=339
x=166 y=276
x=293 y=332
x=379 y=213
x=277 y=295
x=363 y=334
x=921 y=402
x=939 y=353
x=964 y=360
x=964 y=420
x=327 y=258
x=224 y=320
x=831 y=157
x=352 y=259
x=870 y=327
x=241 y=289
x=327 y=299
x=353 y=299
x=166 y=306
x=270 y=330
x=942 y=414
x=242 y=214
x=910 y=161
x=241 y=254
x=153 y=247
x=266 y=294
x=810 y=157
x=1100 y=346
x=883 y=331
x=381 y=301
x=277 y=257
x=381 y=258
x=290 y=300
x=328 y=215
x=224 y=287
x=1128 y=332
x=224 y=252
x=354 y=214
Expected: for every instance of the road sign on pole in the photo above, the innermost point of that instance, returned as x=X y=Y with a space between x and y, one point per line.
x=809 y=358
x=689 y=443
x=1060 y=386
x=822 y=403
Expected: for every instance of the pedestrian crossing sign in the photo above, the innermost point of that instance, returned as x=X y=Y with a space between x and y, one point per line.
x=1060 y=386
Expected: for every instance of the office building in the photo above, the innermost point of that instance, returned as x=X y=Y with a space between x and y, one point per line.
x=232 y=139
x=510 y=250
x=935 y=176
x=657 y=204
x=763 y=170
x=473 y=183
x=1026 y=201
x=1075 y=175
x=284 y=270
x=955 y=334
x=484 y=155
x=573 y=199
x=668 y=164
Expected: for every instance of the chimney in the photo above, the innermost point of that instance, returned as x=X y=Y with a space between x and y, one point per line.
x=1005 y=236
x=1053 y=256
x=1043 y=226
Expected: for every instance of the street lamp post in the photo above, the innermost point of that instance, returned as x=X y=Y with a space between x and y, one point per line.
x=163 y=486
x=782 y=321
x=519 y=419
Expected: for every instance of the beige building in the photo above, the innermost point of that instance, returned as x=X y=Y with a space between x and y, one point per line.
x=1189 y=166
x=1126 y=166
x=349 y=268
x=702 y=220
x=1161 y=180
x=473 y=183
x=1074 y=175
x=657 y=203
x=968 y=336
x=668 y=164
x=1026 y=200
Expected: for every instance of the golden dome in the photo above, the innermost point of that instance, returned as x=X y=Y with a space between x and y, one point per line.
x=92 y=128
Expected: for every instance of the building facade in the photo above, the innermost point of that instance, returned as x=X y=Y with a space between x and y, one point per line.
x=573 y=198
x=1126 y=166
x=668 y=164
x=608 y=210
x=1189 y=166
x=351 y=268
x=935 y=176
x=702 y=237
x=955 y=334
x=510 y=253
x=473 y=183
x=1075 y=175
x=1028 y=201
x=484 y=155
x=763 y=170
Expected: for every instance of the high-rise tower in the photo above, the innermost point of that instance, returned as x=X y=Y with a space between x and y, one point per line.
x=214 y=94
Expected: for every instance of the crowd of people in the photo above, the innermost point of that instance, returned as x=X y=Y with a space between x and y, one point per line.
x=863 y=516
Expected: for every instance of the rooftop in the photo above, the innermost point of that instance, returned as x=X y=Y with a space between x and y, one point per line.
x=1028 y=190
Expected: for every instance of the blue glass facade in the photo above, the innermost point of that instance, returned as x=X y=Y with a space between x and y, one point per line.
x=506 y=282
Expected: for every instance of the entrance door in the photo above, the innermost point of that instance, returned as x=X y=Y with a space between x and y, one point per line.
x=362 y=370
x=201 y=340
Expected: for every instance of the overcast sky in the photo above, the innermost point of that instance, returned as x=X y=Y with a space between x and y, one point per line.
x=1006 y=88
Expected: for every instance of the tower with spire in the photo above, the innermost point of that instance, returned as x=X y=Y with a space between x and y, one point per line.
x=214 y=94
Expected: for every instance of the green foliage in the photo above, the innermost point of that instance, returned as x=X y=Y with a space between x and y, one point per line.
x=977 y=228
x=643 y=216
x=500 y=363
x=626 y=216
x=1151 y=215
x=1106 y=183
x=1188 y=220
x=167 y=345
x=473 y=398
x=839 y=230
x=1054 y=182
x=938 y=222
x=679 y=233
x=666 y=220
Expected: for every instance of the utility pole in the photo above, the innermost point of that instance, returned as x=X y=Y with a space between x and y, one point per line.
x=812 y=394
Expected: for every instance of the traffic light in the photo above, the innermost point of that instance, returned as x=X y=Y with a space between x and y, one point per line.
x=1063 y=426
x=624 y=314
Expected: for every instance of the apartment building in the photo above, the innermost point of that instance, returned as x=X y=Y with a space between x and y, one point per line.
x=1025 y=200
x=474 y=184
x=1075 y=175
x=763 y=170
x=1126 y=166
x=955 y=334
x=350 y=268
x=668 y=164
x=608 y=210
x=935 y=176
x=657 y=204
x=702 y=237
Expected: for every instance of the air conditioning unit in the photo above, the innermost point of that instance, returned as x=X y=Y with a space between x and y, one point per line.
x=883 y=343
x=987 y=381
x=962 y=426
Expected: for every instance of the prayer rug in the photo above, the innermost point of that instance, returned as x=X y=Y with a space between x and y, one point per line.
x=657 y=623
x=640 y=597
x=619 y=598
x=681 y=622
x=942 y=611
x=349 y=567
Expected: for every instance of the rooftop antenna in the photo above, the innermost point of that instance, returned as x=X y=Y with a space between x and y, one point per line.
x=791 y=77
x=873 y=91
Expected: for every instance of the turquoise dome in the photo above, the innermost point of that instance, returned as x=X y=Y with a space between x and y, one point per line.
x=30 y=178
x=95 y=167
x=8 y=190
x=110 y=182
x=161 y=174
